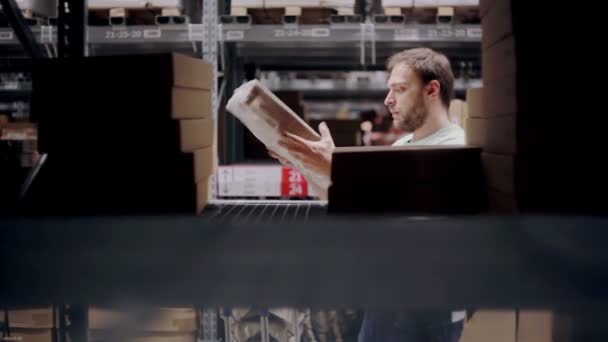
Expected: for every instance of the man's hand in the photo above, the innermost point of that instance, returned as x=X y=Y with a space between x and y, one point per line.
x=314 y=155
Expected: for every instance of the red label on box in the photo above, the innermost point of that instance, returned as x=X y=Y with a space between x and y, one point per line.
x=293 y=184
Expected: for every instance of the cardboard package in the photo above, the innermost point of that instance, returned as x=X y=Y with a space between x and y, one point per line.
x=45 y=8
x=41 y=318
x=534 y=326
x=157 y=325
x=33 y=334
x=266 y=116
x=497 y=21
x=414 y=179
x=157 y=320
x=496 y=135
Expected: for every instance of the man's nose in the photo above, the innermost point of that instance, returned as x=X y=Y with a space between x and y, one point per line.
x=388 y=101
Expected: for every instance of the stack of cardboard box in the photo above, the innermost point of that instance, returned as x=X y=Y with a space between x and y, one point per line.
x=494 y=133
x=123 y=134
x=33 y=325
x=538 y=144
x=158 y=325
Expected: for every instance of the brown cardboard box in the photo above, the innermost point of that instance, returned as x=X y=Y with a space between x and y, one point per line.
x=499 y=61
x=196 y=134
x=190 y=103
x=205 y=163
x=104 y=336
x=33 y=334
x=203 y=194
x=488 y=325
x=500 y=98
x=496 y=135
x=474 y=103
x=499 y=172
x=160 y=320
x=190 y=72
x=485 y=5
x=31 y=318
x=497 y=23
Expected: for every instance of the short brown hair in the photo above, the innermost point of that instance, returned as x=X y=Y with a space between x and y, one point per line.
x=429 y=65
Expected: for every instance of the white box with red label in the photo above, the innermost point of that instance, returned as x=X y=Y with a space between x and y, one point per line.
x=261 y=181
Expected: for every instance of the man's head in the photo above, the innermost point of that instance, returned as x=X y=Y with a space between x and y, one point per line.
x=419 y=80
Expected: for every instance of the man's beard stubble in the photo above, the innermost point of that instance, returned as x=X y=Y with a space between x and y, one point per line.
x=412 y=120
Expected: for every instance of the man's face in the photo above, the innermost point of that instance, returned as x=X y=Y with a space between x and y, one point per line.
x=405 y=99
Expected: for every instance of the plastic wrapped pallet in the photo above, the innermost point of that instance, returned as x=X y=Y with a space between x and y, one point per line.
x=248 y=3
x=294 y=3
x=166 y=3
x=457 y=3
x=426 y=3
x=47 y=8
x=397 y=3
x=266 y=116
x=103 y=4
x=338 y=3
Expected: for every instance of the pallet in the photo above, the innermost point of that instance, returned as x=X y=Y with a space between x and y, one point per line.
x=429 y=15
x=291 y=15
x=31 y=19
x=137 y=16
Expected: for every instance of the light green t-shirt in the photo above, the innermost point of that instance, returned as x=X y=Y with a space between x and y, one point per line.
x=449 y=135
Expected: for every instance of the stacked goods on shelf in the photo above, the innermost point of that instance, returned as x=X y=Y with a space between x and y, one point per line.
x=308 y=12
x=517 y=326
x=33 y=324
x=40 y=8
x=106 y=4
x=434 y=11
x=490 y=132
x=411 y=179
x=152 y=325
x=136 y=12
x=140 y=139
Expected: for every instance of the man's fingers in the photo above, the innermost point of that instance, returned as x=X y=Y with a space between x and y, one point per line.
x=293 y=146
x=296 y=139
x=325 y=134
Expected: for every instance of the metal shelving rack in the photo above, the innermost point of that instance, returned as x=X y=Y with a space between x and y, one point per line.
x=233 y=47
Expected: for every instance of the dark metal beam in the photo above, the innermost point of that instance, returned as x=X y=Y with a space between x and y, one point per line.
x=339 y=262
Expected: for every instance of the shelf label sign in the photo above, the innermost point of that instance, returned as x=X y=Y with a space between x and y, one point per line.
x=474 y=32
x=6 y=35
x=132 y=34
x=293 y=184
x=235 y=35
x=407 y=34
x=152 y=33
x=319 y=32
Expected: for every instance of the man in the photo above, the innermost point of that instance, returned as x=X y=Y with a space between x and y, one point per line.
x=420 y=90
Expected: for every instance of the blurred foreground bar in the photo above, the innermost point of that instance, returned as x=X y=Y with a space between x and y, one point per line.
x=385 y=262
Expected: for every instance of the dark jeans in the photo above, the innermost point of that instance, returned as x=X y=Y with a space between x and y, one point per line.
x=409 y=327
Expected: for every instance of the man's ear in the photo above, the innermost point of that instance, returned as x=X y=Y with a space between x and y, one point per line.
x=433 y=88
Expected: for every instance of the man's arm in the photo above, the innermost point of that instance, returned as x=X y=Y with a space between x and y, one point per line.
x=314 y=155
